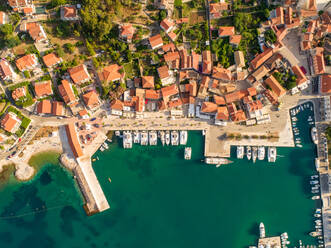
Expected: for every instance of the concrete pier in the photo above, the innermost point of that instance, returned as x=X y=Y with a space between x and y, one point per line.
x=89 y=184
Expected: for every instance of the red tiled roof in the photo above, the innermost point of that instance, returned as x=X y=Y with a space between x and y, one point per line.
x=172 y=35
x=116 y=104
x=78 y=74
x=318 y=61
x=171 y=56
x=163 y=72
x=18 y=93
x=222 y=73
x=169 y=90
x=43 y=89
x=235 y=39
x=168 y=47
x=226 y=31
x=153 y=94
x=57 y=108
x=166 y=24
x=301 y=78
x=326 y=84
x=66 y=92
x=127 y=31
x=261 y=58
x=91 y=99
x=222 y=113
x=219 y=100
x=275 y=86
x=26 y=61
x=8 y=122
x=44 y=107
x=73 y=140
x=111 y=73
x=148 y=82
x=208 y=107
x=5 y=69
x=51 y=59
x=155 y=41
x=175 y=103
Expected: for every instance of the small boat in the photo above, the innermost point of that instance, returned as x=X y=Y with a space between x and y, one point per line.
x=314 y=135
x=136 y=137
x=109 y=179
x=167 y=137
x=102 y=149
x=240 y=152
x=260 y=153
x=254 y=153
x=144 y=138
x=314 y=182
x=203 y=132
x=162 y=137
x=152 y=138
x=217 y=161
x=272 y=154
x=188 y=153
x=174 y=138
x=262 y=230
x=317 y=215
x=318 y=210
x=127 y=139
x=299 y=145
x=314 y=177
x=117 y=133
x=248 y=152
x=315 y=197
x=315 y=234
x=314 y=191
x=183 y=137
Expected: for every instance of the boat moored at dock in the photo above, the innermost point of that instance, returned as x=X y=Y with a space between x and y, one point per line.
x=262 y=230
x=254 y=154
x=167 y=138
x=127 y=139
x=152 y=138
x=217 y=161
x=183 y=137
x=162 y=137
x=272 y=154
x=144 y=138
x=314 y=135
x=248 y=152
x=260 y=153
x=240 y=152
x=136 y=137
x=188 y=153
x=174 y=138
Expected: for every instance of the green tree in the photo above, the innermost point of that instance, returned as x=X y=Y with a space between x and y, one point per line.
x=270 y=36
x=55 y=3
x=90 y=48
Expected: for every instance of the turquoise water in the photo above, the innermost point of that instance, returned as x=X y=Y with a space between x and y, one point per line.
x=158 y=199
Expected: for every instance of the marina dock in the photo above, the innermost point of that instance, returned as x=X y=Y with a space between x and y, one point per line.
x=91 y=189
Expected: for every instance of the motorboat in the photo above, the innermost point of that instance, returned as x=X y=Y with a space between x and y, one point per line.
x=262 y=230
x=272 y=154
x=254 y=153
x=248 y=152
x=314 y=135
x=260 y=153
x=174 y=138
x=314 y=177
x=117 y=133
x=127 y=139
x=167 y=138
x=162 y=137
x=315 y=197
x=314 y=191
x=315 y=234
x=144 y=138
x=183 y=137
x=188 y=153
x=318 y=210
x=317 y=215
x=217 y=161
x=240 y=152
x=314 y=182
x=152 y=138
x=136 y=137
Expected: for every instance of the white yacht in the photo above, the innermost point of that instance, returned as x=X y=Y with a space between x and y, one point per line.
x=262 y=231
x=188 y=153
x=314 y=135
x=162 y=137
x=248 y=152
x=317 y=163
x=260 y=153
x=240 y=152
x=315 y=197
x=217 y=161
x=152 y=138
x=144 y=138
x=174 y=138
x=183 y=137
x=136 y=137
x=272 y=154
x=167 y=138
x=127 y=139
x=254 y=153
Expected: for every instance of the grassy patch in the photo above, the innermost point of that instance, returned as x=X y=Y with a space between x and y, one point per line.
x=7 y=171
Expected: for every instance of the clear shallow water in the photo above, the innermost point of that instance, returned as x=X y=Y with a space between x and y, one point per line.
x=158 y=199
